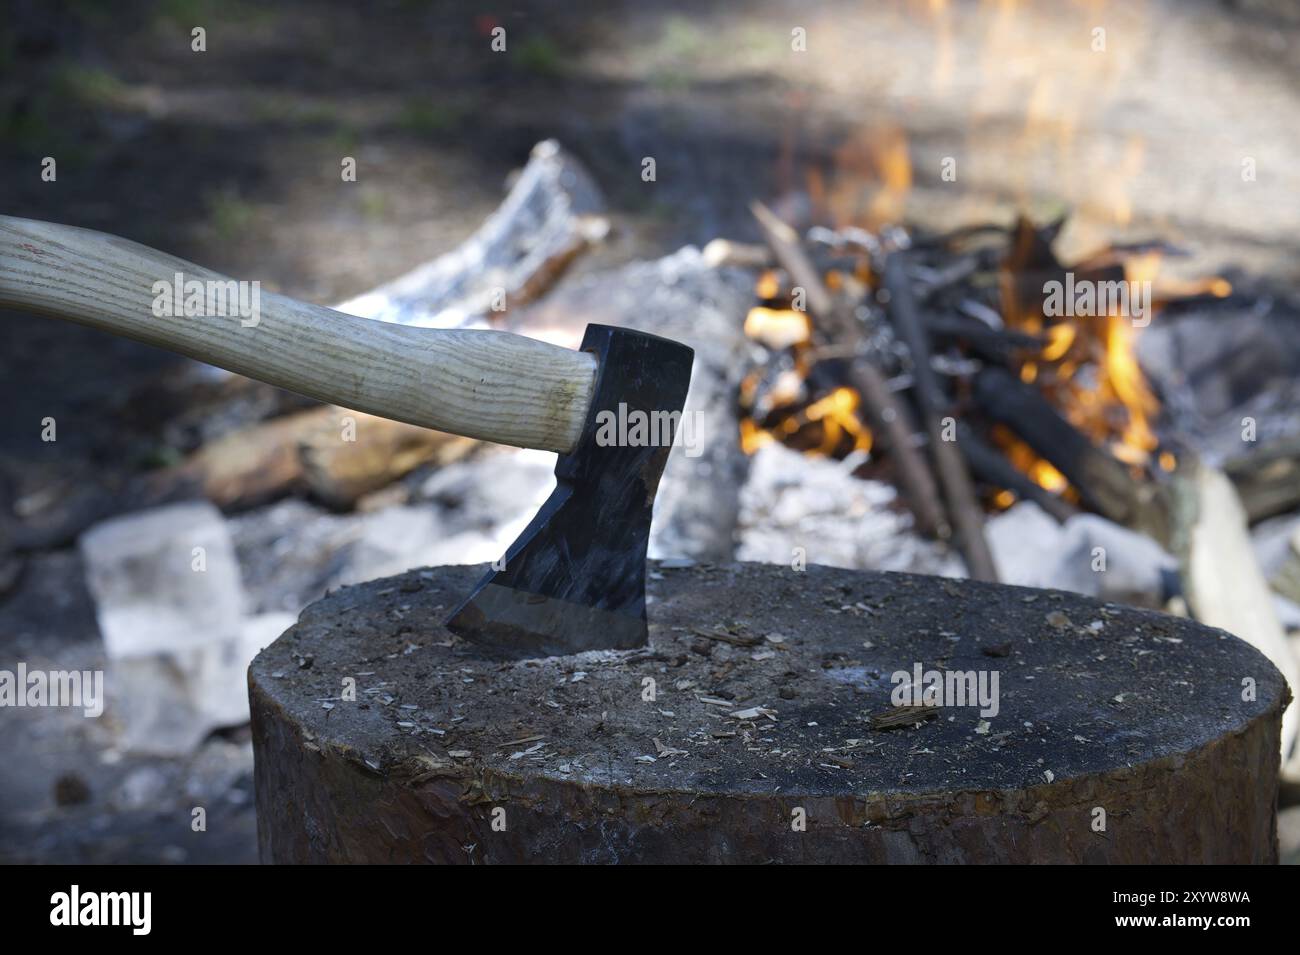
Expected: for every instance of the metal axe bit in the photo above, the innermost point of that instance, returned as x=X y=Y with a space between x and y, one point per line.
x=575 y=579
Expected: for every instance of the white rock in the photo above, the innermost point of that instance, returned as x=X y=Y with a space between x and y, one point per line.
x=149 y=596
x=169 y=603
x=1087 y=554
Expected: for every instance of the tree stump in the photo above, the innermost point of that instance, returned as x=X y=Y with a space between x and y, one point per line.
x=760 y=726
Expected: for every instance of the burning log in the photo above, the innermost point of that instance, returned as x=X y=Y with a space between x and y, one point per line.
x=991 y=467
x=1105 y=484
x=887 y=415
x=443 y=755
x=998 y=345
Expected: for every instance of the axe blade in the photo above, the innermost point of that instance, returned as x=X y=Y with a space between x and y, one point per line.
x=574 y=580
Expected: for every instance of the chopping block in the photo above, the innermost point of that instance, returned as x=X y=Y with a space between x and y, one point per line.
x=812 y=716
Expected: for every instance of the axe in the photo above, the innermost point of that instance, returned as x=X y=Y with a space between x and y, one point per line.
x=575 y=578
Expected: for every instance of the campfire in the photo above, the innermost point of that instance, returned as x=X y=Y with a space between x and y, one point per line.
x=972 y=368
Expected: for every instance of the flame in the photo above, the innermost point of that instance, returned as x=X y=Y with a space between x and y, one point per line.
x=1088 y=369
x=752 y=437
x=769 y=285
x=831 y=421
x=1122 y=379
x=871 y=182
x=1025 y=460
x=1059 y=339
x=1039 y=107
x=777 y=328
x=838 y=415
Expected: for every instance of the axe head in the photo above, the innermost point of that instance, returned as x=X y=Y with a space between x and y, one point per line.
x=575 y=578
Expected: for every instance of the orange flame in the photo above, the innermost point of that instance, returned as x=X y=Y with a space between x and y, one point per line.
x=873 y=176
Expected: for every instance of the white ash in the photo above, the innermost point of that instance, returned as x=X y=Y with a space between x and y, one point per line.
x=793 y=500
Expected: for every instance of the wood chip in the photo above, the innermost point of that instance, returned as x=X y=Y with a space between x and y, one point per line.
x=663 y=750
x=753 y=713
x=735 y=639
x=900 y=716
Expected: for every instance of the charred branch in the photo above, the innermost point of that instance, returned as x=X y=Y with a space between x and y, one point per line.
x=958 y=490
x=888 y=416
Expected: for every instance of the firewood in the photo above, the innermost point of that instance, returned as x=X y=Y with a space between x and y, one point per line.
x=723 y=253
x=248 y=466
x=342 y=464
x=989 y=465
x=1222 y=581
x=991 y=344
x=887 y=416
x=335 y=454
x=959 y=493
x=1268 y=479
x=1105 y=484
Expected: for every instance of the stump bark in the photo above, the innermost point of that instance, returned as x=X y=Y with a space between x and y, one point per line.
x=758 y=726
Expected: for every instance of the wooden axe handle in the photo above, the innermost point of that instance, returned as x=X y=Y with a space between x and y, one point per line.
x=483 y=384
